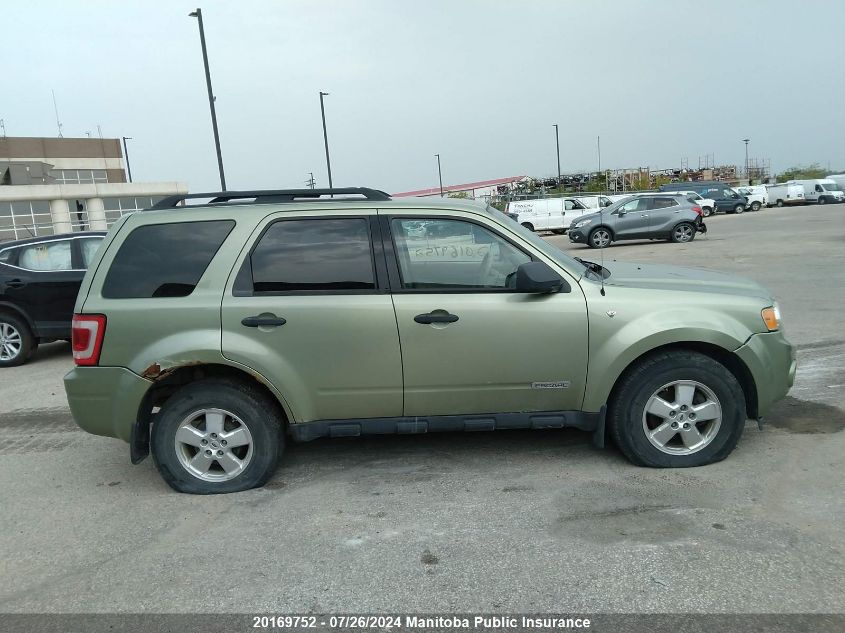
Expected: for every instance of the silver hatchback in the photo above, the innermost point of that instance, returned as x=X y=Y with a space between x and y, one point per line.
x=661 y=216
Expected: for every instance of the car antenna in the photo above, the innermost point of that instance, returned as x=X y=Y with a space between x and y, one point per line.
x=601 y=250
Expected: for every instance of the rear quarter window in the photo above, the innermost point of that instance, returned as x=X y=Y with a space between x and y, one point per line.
x=164 y=260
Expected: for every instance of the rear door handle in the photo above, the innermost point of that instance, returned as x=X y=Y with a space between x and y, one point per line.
x=263 y=321
x=434 y=317
x=15 y=283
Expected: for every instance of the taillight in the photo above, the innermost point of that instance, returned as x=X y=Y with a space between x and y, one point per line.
x=698 y=210
x=87 y=334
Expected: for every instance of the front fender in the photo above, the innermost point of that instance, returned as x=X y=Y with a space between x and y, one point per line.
x=613 y=347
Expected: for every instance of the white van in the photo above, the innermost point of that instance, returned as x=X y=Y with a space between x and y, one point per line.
x=820 y=190
x=546 y=214
x=757 y=196
x=785 y=193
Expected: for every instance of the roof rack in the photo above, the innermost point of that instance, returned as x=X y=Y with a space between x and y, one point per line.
x=270 y=196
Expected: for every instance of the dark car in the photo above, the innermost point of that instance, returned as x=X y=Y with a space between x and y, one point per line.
x=39 y=281
x=667 y=216
x=726 y=199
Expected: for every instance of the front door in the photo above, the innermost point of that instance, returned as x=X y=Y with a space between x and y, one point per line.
x=309 y=311
x=632 y=220
x=470 y=343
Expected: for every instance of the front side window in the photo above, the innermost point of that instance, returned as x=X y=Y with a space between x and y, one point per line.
x=454 y=254
x=164 y=260
x=46 y=256
x=637 y=204
x=314 y=255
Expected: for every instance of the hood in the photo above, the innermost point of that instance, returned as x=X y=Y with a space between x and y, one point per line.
x=648 y=276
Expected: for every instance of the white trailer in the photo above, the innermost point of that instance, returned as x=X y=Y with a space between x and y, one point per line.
x=820 y=190
x=785 y=194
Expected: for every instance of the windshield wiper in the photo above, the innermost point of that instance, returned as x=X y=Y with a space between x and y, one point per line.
x=600 y=270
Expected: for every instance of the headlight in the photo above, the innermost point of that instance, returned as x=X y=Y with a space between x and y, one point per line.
x=578 y=225
x=771 y=317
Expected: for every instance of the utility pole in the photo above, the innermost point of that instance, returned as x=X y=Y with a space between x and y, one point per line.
x=598 y=148
x=439 y=175
x=211 y=98
x=746 y=140
x=310 y=182
x=126 y=155
x=326 y=137
x=557 y=144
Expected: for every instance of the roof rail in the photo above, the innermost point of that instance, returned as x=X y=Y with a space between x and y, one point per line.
x=268 y=196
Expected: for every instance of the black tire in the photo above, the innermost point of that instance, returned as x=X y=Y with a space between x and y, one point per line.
x=528 y=226
x=683 y=233
x=20 y=338
x=259 y=413
x=779 y=203
x=707 y=211
x=559 y=231
x=740 y=208
x=594 y=239
x=625 y=418
x=755 y=206
x=822 y=200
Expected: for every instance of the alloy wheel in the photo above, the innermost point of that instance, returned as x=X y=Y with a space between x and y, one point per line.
x=213 y=445
x=684 y=233
x=601 y=238
x=682 y=417
x=11 y=342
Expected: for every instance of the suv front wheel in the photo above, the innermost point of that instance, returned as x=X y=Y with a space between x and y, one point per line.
x=677 y=409
x=217 y=436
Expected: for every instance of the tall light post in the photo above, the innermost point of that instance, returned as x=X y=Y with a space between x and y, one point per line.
x=126 y=155
x=439 y=175
x=557 y=144
x=198 y=15
x=746 y=141
x=326 y=136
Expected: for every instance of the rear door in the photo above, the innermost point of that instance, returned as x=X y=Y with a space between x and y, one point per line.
x=309 y=309
x=663 y=215
x=44 y=282
x=470 y=343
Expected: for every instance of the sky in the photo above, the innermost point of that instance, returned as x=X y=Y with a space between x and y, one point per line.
x=479 y=82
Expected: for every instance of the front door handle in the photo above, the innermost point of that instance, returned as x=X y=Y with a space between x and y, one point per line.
x=263 y=321
x=15 y=283
x=436 y=317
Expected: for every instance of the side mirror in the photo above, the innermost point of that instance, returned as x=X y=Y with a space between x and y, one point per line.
x=621 y=212
x=539 y=277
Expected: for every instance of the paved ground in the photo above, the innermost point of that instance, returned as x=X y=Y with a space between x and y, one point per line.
x=490 y=522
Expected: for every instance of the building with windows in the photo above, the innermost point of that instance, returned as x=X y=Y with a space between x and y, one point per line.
x=62 y=185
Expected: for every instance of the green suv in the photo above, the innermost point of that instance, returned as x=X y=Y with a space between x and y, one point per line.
x=210 y=334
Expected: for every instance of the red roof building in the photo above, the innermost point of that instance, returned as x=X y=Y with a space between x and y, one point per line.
x=480 y=189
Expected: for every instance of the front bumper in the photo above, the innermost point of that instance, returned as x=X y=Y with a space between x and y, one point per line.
x=105 y=400
x=771 y=360
x=577 y=235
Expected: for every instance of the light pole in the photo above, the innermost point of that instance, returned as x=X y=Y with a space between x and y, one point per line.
x=746 y=141
x=198 y=15
x=557 y=144
x=439 y=175
x=126 y=155
x=326 y=137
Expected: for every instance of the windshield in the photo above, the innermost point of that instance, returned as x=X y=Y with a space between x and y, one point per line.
x=547 y=249
x=831 y=186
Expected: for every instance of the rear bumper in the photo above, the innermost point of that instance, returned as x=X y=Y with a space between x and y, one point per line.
x=771 y=360
x=105 y=400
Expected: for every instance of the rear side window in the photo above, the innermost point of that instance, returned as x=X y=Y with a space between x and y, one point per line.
x=313 y=255
x=164 y=260
x=89 y=247
x=662 y=203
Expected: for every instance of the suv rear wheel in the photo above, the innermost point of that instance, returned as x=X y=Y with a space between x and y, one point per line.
x=16 y=341
x=677 y=409
x=217 y=436
x=684 y=232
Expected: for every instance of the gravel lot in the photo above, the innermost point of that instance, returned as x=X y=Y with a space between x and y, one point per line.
x=510 y=521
